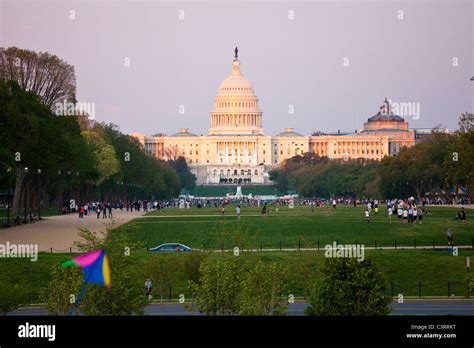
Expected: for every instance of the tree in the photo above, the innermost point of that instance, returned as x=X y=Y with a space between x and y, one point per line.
x=466 y=122
x=348 y=287
x=219 y=288
x=11 y=297
x=125 y=296
x=187 y=179
x=192 y=263
x=106 y=163
x=61 y=292
x=162 y=270
x=44 y=74
x=32 y=137
x=263 y=290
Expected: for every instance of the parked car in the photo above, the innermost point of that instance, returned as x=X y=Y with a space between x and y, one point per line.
x=170 y=247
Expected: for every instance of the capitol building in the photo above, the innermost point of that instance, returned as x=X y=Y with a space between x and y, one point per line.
x=237 y=150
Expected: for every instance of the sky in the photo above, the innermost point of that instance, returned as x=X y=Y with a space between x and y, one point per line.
x=331 y=62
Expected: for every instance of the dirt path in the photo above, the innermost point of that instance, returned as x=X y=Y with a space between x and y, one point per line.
x=59 y=232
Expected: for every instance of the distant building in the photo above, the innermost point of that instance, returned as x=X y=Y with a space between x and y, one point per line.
x=423 y=133
x=236 y=148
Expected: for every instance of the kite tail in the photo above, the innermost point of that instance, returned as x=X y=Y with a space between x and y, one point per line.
x=79 y=298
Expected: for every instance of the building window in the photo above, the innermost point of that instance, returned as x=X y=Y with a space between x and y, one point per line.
x=235 y=171
x=256 y=171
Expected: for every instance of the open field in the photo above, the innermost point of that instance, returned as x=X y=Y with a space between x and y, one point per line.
x=206 y=228
x=404 y=270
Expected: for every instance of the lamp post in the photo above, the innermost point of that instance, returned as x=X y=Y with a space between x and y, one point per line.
x=8 y=201
x=39 y=193
x=57 y=196
x=24 y=195
x=8 y=208
x=69 y=188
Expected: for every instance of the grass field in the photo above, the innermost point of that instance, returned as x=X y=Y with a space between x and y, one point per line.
x=404 y=269
x=206 y=228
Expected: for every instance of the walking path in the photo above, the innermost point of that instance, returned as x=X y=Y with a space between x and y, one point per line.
x=59 y=232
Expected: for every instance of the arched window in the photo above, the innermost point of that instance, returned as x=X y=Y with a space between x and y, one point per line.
x=214 y=172
x=228 y=171
x=235 y=171
x=222 y=172
x=242 y=172
x=249 y=172
x=256 y=171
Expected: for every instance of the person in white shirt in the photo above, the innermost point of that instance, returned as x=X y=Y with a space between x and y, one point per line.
x=367 y=215
x=390 y=212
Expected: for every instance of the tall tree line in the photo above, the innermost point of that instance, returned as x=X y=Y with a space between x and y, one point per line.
x=49 y=158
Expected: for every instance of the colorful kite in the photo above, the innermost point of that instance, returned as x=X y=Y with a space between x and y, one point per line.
x=95 y=266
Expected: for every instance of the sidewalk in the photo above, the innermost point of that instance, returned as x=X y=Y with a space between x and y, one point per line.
x=59 y=232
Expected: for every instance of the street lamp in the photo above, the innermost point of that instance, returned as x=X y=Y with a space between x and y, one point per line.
x=24 y=195
x=9 y=169
x=39 y=193
x=69 y=187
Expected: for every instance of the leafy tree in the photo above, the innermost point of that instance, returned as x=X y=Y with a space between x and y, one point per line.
x=11 y=297
x=191 y=264
x=163 y=273
x=348 y=287
x=263 y=290
x=61 y=292
x=105 y=158
x=186 y=178
x=219 y=288
x=126 y=295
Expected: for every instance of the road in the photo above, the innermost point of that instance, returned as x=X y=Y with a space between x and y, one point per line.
x=409 y=307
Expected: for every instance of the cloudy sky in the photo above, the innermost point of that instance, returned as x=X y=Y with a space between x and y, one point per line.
x=334 y=61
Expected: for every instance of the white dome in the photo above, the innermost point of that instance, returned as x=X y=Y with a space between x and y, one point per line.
x=236 y=83
x=236 y=106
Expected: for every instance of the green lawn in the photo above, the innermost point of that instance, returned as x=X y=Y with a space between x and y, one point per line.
x=206 y=228
x=405 y=269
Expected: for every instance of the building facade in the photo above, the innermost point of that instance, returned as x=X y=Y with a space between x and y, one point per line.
x=237 y=150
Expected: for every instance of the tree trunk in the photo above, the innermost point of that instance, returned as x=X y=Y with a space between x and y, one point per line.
x=16 y=206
